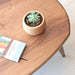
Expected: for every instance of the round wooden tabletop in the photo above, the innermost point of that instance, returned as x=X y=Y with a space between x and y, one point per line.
x=39 y=48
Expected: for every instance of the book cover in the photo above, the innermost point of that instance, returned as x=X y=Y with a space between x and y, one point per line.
x=11 y=49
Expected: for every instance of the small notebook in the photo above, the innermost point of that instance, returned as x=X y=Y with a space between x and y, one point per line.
x=11 y=49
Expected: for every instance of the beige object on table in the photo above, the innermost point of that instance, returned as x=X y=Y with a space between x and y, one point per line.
x=34 y=30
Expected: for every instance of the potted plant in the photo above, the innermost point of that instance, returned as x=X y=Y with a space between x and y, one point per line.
x=33 y=22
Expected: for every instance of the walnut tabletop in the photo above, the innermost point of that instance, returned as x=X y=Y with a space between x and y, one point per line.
x=39 y=48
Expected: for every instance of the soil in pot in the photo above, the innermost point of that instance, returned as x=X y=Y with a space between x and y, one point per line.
x=31 y=24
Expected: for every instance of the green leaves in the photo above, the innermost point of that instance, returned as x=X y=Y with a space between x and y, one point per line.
x=33 y=17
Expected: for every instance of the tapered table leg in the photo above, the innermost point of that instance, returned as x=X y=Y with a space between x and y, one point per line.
x=61 y=50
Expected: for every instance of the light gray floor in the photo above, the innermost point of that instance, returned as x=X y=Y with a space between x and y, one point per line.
x=58 y=65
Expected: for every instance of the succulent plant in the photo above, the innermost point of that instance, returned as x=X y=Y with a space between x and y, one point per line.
x=33 y=17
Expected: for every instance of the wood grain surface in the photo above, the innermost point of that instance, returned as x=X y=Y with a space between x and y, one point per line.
x=39 y=48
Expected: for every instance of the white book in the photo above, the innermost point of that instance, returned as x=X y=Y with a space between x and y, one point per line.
x=11 y=49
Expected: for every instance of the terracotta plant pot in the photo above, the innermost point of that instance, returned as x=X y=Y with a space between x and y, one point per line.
x=34 y=30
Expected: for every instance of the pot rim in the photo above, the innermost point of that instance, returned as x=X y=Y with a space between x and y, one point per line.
x=36 y=26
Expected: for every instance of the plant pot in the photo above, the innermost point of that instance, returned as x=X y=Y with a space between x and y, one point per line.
x=34 y=30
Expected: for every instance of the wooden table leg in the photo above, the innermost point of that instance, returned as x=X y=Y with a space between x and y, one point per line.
x=61 y=50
